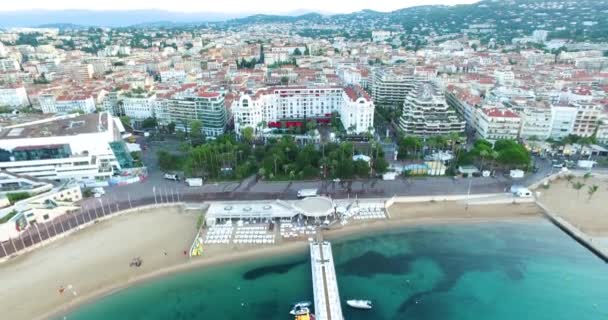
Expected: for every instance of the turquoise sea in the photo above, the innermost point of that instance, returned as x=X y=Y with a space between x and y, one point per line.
x=497 y=271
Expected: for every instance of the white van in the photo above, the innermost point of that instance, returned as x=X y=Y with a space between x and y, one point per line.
x=306 y=193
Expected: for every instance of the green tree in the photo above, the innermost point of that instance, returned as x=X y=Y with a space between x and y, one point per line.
x=171 y=127
x=247 y=134
x=297 y=52
x=196 y=133
x=409 y=147
x=149 y=123
x=167 y=161
x=284 y=81
x=361 y=168
x=381 y=165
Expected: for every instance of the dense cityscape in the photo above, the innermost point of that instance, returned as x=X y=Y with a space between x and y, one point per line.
x=495 y=97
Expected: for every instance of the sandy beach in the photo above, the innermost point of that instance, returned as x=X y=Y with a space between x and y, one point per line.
x=95 y=261
x=588 y=214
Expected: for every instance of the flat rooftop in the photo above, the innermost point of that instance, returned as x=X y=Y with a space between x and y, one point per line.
x=69 y=126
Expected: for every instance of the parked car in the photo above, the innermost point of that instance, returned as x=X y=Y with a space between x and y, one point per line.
x=171 y=176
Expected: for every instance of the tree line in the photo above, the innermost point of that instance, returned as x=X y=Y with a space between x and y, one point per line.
x=278 y=159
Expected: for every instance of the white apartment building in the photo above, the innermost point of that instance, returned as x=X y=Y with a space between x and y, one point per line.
x=535 y=121
x=14 y=96
x=3 y=52
x=426 y=113
x=79 y=72
x=465 y=103
x=207 y=107
x=138 y=106
x=62 y=148
x=292 y=106
x=381 y=35
x=562 y=120
x=66 y=103
x=172 y=75
x=587 y=118
x=350 y=75
x=8 y=64
x=497 y=123
x=504 y=78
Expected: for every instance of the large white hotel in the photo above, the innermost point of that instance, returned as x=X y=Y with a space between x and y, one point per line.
x=295 y=105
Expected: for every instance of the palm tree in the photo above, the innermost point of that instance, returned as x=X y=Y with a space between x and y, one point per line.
x=592 y=190
x=587 y=176
x=578 y=186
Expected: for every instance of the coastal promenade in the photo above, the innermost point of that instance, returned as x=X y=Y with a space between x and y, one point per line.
x=324 y=282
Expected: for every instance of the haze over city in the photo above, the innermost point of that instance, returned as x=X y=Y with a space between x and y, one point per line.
x=227 y=6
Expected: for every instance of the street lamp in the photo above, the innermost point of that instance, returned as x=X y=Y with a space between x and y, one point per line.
x=468 y=194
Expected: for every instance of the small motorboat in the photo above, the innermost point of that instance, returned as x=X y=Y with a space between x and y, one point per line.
x=299 y=311
x=299 y=307
x=359 y=304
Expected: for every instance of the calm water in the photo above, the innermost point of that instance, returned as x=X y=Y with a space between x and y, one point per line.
x=481 y=271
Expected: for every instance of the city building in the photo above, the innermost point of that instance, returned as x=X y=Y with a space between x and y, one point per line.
x=285 y=107
x=14 y=96
x=587 y=119
x=535 y=120
x=497 y=123
x=381 y=35
x=66 y=103
x=465 y=103
x=207 y=107
x=390 y=86
x=8 y=64
x=62 y=148
x=426 y=113
x=39 y=208
x=138 y=105
x=562 y=120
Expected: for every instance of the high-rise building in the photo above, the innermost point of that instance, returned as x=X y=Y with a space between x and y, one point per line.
x=207 y=107
x=426 y=113
x=390 y=86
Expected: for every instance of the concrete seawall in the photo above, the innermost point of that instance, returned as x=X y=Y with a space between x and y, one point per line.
x=582 y=238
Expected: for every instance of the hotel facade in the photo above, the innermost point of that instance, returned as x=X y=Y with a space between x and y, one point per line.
x=292 y=106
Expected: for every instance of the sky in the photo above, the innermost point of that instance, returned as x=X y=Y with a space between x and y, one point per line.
x=225 y=6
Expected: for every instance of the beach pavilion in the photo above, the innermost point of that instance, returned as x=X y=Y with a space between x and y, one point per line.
x=313 y=208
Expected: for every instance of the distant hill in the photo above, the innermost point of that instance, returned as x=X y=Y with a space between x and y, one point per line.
x=580 y=20
x=111 y=18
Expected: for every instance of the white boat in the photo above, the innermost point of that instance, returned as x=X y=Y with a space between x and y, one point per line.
x=298 y=311
x=359 y=304
x=302 y=304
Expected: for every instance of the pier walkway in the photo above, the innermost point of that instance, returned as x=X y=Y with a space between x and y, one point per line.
x=324 y=282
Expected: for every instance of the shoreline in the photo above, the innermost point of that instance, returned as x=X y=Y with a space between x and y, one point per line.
x=115 y=250
x=238 y=256
x=285 y=248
